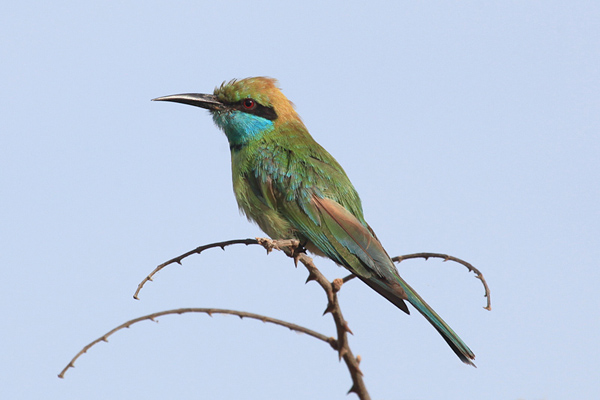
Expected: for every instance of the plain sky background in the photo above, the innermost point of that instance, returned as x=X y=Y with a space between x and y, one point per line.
x=469 y=128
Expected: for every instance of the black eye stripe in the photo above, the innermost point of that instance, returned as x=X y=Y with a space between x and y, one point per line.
x=258 y=109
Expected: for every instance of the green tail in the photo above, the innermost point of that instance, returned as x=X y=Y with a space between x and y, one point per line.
x=456 y=344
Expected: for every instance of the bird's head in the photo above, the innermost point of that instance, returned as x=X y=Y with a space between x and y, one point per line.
x=244 y=109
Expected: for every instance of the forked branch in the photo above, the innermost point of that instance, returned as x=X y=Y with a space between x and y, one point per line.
x=269 y=245
x=293 y=249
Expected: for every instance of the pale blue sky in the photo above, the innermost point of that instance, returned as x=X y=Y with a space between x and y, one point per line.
x=468 y=128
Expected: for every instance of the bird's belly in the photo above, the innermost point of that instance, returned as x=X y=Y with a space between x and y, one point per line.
x=278 y=228
x=314 y=249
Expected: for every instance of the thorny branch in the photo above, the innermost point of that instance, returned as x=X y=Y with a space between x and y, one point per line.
x=282 y=244
x=446 y=257
x=333 y=307
x=210 y=312
x=293 y=249
x=197 y=250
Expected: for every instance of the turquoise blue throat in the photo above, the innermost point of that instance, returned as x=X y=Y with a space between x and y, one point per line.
x=241 y=127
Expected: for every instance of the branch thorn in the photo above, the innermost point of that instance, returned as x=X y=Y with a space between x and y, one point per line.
x=329 y=308
x=353 y=389
x=311 y=277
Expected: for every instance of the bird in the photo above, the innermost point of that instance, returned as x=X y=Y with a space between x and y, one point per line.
x=292 y=188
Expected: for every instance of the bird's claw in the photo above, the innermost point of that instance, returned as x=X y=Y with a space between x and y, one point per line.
x=297 y=251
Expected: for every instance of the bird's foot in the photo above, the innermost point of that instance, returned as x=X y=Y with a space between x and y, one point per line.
x=296 y=250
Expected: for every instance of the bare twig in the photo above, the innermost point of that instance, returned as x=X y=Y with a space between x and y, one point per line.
x=446 y=257
x=209 y=311
x=197 y=250
x=293 y=249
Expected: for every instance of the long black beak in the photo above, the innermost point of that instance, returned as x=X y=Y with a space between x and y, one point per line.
x=208 y=101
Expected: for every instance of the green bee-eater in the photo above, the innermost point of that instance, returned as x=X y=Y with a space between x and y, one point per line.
x=294 y=189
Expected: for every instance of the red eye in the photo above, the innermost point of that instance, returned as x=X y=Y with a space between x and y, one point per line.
x=248 y=104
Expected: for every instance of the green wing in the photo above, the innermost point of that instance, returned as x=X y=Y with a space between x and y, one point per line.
x=345 y=240
x=296 y=189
